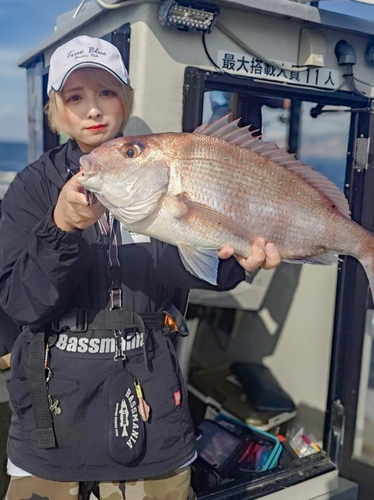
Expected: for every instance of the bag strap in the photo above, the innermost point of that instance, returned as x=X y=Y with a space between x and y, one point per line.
x=79 y=320
x=38 y=392
x=108 y=227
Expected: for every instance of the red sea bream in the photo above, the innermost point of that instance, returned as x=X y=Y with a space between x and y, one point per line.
x=220 y=186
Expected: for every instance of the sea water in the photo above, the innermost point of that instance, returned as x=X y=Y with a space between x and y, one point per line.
x=13 y=158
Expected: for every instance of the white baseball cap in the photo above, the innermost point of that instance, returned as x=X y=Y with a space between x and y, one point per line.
x=85 y=51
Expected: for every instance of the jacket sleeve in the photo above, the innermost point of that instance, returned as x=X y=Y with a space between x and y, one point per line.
x=40 y=265
x=172 y=271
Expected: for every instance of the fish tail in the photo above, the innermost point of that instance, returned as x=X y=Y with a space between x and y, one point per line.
x=367 y=260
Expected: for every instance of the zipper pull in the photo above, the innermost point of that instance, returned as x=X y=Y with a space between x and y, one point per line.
x=143 y=407
x=54 y=406
x=119 y=356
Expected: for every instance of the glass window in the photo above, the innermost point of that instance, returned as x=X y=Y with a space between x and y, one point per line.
x=35 y=110
x=363 y=448
x=217 y=103
x=324 y=140
x=275 y=123
x=296 y=295
x=260 y=112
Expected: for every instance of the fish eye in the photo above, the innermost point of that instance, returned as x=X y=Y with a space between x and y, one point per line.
x=131 y=150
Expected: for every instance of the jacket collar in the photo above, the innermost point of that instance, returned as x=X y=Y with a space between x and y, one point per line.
x=72 y=156
x=62 y=162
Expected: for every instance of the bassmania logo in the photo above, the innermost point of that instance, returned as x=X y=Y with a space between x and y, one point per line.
x=97 y=345
x=126 y=419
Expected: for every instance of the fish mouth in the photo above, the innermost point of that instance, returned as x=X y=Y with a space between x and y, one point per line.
x=90 y=173
x=92 y=179
x=89 y=165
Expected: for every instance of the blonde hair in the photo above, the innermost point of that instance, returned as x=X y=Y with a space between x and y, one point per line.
x=95 y=78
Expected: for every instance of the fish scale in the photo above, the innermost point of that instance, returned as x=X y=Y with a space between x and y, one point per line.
x=248 y=205
x=201 y=192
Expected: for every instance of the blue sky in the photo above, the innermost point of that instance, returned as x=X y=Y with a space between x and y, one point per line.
x=24 y=23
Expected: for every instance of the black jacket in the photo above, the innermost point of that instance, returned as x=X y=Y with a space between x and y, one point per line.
x=45 y=271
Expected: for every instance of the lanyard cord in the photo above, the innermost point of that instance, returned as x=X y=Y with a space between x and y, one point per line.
x=108 y=226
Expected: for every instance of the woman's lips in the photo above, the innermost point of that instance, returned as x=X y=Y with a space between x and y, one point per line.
x=96 y=127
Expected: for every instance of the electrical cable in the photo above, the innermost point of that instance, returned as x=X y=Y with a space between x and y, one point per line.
x=348 y=78
x=364 y=83
x=251 y=51
x=210 y=58
x=349 y=75
x=346 y=56
x=353 y=86
x=215 y=64
x=361 y=81
x=256 y=79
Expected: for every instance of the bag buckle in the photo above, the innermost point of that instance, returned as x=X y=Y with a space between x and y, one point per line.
x=115 y=298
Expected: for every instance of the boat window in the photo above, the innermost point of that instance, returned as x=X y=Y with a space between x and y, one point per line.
x=261 y=323
x=217 y=103
x=275 y=123
x=363 y=446
x=35 y=110
x=322 y=137
x=324 y=140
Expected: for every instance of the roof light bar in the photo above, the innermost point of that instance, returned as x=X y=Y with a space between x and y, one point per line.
x=186 y=15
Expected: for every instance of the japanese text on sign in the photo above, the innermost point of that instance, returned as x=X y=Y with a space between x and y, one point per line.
x=246 y=65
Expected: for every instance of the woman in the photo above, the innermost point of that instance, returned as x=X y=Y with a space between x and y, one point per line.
x=96 y=390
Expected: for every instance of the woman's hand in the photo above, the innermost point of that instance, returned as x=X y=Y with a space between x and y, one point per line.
x=72 y=210
x=263 y=255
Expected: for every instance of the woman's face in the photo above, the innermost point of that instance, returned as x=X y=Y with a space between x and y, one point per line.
x=92 y=115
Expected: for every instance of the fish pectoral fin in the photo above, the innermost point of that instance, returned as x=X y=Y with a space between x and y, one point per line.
x=201 y=262
x=323 y=259
x=200 y=213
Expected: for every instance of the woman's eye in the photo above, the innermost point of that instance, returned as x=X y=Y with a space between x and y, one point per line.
x=108 y=93
x=131 y=151
x=74 y=98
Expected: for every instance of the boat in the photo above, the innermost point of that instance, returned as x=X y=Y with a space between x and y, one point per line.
x=303 y=76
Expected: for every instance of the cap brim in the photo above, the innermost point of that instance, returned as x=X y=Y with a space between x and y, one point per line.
x=58 y=84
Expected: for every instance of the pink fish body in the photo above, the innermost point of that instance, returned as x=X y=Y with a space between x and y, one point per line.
x=220 y=186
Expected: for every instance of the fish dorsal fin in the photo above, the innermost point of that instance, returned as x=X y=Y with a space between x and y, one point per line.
x=243 y=137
